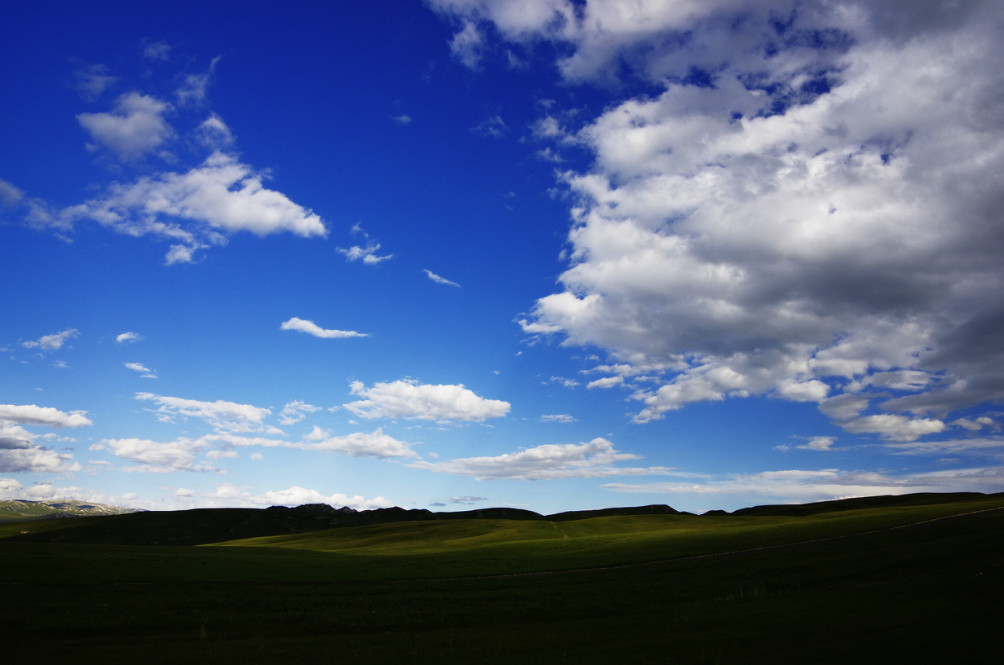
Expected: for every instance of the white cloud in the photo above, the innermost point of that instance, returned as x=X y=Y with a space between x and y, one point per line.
x=597 y=458
x=467 y=45
x=367 y=254
x=817 y=218
x=228 y=495
x=894 y=427
x=221 y=415
x=194 y=86
x=408 y=399
x=439 y=280
x=492 y=126
x=30 y=414
x=820 y=443
x=357 y=444
x=157 y=51
x=978 y=424
x=92 y=81
x=606 y=382
x=214 y=133
x=311 y=328
x=157 y=457
x=135 y=127
x=128 y=337
x=564 y=381
x=557 y=418
x=296 y=411
x=990 y=446
x=803 y=486
x=362 y=444
x=9 y=194
x=142 y=369
x=52 y=342
x=296 y=496
x=20 y=453
x=196 y=209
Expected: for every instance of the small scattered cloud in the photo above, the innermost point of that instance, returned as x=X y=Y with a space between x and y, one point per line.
x=493 y=127
x=90 y=82
x=468 y=45
x=564 y=381
x=311 y=328
x=52 y=342
x=606 y=382
x=819 y=443
x=194 y=87
x=403 y=119
x=145 y=372
x=977 y=424
x=214 y=133
x=409 y=399
x=134 y=128
x=467 y=500
x=296 y=411
x=558 y=418
x=367 y=254
x=9 y=194
x=128 y=336
x=157 y=51
x=439 y=280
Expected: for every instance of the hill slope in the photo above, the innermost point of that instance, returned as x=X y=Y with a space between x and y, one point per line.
x=217 y=525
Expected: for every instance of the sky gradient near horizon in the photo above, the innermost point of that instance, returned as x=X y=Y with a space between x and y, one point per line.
x=551 y=254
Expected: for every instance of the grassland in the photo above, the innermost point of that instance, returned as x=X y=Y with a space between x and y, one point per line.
x=881 y=582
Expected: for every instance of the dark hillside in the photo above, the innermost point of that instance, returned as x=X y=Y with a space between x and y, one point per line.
x=212 y=525
x=889 y=501
x=655 y=509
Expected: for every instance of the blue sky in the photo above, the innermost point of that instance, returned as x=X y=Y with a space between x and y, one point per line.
x=552 y=254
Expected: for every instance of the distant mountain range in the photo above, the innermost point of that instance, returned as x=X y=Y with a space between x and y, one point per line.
x=23 y=509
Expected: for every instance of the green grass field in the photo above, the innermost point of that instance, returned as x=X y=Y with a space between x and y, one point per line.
x=909 y=583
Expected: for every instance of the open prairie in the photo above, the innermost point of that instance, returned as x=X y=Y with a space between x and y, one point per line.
x=906 y=580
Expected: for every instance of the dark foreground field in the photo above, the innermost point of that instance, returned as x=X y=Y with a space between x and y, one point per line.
x=904 y=582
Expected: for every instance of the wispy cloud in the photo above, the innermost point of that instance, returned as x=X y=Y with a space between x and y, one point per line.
x=92 y=81
x=557 y=418
x=596 y=459
x=220 y=415
x=439 y=280
x=142 y=369
x=311 y=328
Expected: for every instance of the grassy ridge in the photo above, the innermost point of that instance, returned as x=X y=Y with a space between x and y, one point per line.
x=478 y=547
x=854 y=590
